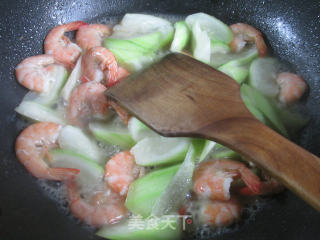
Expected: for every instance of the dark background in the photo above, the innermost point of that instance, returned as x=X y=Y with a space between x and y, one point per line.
x=27 y=212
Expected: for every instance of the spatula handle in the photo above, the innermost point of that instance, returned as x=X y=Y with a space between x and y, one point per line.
x=297 y=168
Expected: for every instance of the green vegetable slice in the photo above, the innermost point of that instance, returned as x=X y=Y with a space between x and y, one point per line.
x=90 y=174
x=112 y=133
x=139 y=130
x=200 y=44
x=148 y=31
x=159 y=230
x=154 y=151
x=219 y=151
x=216 y=29
x=265 y=106
x=181 y=36
x=130 y=55
x=247 y=55
x=75 y=139
x=172 y=197
x=144 y=192
x=263 y=74
x=72 y=80
x=39 y=113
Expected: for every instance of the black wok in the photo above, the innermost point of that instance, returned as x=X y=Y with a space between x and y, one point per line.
x=291 y=28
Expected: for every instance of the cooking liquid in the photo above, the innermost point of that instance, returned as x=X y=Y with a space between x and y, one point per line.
x=57 y=192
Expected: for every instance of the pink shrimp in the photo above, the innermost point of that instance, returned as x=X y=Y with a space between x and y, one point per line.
x=245 y=33
x=99 y=64
x=87 y=101
x=104 y=207
x=92 y=35
x=292 y=87
x=32 y=146
x=60 y=46
x=121 y=170
x=122 y=113
x=122 y=74
x=33 y=72
x=269 y=186
x=219 y=213
x=213 y=179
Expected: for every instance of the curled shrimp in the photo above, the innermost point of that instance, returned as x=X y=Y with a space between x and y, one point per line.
x=89 y=36
x=99 y=64
x=121 y=170
x=122 y=113
x=33 y=72
x=269 y=186
x=220 y=213
x=212 y=179
x=104 y=207
x=292 y=87
x=215 y=213
x=32 y=146
x=60 y=46
x=87 y=101
x=245 y=33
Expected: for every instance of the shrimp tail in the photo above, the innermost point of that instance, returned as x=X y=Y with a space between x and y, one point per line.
x=75 y=25
x=122 y=73
x=251 y=180
x=63 y=174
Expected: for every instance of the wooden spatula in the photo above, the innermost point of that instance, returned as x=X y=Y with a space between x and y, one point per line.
x=181 y=96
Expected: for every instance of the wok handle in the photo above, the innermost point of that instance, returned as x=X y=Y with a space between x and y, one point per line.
x=296 y=168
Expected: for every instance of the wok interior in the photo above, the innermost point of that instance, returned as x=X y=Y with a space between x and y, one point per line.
x=289 y=27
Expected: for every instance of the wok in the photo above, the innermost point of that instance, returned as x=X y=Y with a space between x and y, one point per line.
x=291 y=29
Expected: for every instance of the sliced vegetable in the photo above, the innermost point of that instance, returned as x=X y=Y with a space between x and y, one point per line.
x=216 y=30
x=219 y=151
x=208 y=146
x=58 y=78
x=238 y=73
x=159 y=230
x=72 y=81
x=181 y=36
x=144 y=192
x=200 y=44
x=154 y=151
x=75 y=139
x=38 y=112
x=247 y=55
x=265 y=106
x=139 y=130
x=112 y=133
x=90 y=174
x=172 y=197
x=129 y=54
x=219 y=47
x=148 y=31
x=263 y=74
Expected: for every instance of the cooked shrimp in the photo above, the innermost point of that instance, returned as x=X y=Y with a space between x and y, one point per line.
x=33 y=72
x=32 y=146
x=292 y=87
x=121 y=170
x=123 y=114
x=87 y=101
x=104 y=207
x=99 y=64
x=268 y=186
x=92 y=35
x=60 y=46
x=245 y=33
x=213 y=179
x=219 y=213
x=122 y=73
